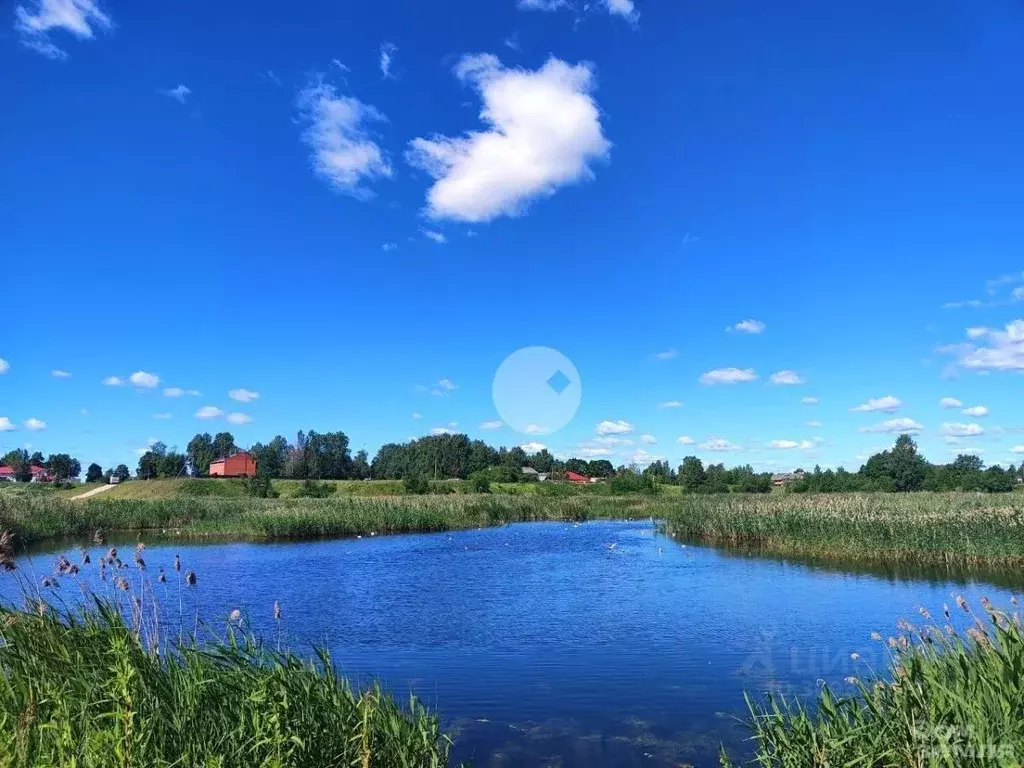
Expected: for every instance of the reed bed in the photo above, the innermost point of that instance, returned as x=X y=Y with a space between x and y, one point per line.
x=95 y=681
x=951 y=699
x=921 y=528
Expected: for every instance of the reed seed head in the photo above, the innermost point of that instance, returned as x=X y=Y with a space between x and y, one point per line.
x=190 y=577
x=177 y=564
x=277 y=611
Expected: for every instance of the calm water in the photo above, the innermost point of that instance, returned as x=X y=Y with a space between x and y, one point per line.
x=603 y=644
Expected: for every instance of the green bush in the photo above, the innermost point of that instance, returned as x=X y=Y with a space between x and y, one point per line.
x=260 y=488
x=630 y=482
x=478 y=483
x=415 y=484
x=311 y=489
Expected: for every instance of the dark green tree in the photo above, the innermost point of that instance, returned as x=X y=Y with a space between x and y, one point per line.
x=94 y=474
x=692 y=476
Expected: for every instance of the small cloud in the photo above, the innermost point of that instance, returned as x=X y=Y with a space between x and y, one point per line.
x=887 y=404
x=417 y=416
x=209 y=412
x=591 y=453
x=1017 y=449
x=976 y=411
x=670 y=404
x=178 y=93
x=442 y=431
x=6 y=425
x=719 y=444
x=59 y=374
x=492 y=425
x=163 y=416
x=977 y=332
x=512 y=41
x=113 y=381
x=533 y=447
x=786 y=377
x=785 y=445
x=470 y=233
x=614 y=428
x=75 y=16
x=238 y=418
x=84 y=411
x=144 y=380
x=174 y=392
x=950 y=402
x=534 y=429
x=542 y=5
x=748 y=326
x=447 y=384
x=35 y=425
x=954 y=429
x=895 y=425
x=728 y=376
x=813 y=424
x=437 y=237
x=685 y=440
x=643 y=458
x=243 y=395
x=387 y=51
x=649 y=439
x=612 y=440
x=388 y=247
x=193 y=392
x=340 y=66
x=668 y=354
x=4 y=366
x=809 y=400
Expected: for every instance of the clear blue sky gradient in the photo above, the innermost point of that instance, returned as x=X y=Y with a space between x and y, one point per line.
x=838 y=171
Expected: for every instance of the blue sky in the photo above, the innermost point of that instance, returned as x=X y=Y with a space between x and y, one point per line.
x=336 y=207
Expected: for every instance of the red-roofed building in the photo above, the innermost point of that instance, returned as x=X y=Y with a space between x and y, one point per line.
x=39 y=474
x=575 y=477
x=242 y=464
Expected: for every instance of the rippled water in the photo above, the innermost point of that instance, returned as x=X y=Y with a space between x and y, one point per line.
x=602 y=644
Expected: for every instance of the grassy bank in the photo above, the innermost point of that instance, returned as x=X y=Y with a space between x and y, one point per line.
x=91 y=690
x=37 y=518
x=922 y=528
x=949 y=699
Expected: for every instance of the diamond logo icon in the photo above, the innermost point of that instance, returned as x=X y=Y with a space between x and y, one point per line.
x=537 y=385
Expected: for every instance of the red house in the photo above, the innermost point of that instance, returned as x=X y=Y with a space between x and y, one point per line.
x=242 y=464
x=578 y=479
x=39 y=474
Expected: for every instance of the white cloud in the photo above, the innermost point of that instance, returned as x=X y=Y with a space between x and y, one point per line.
x=718 y=444
x=643 y=458
x=668 y=354
x=193 y=392
x=4 y=366
x=649 y=439
x=243 y=395
x=670 y=404
x=950 y=402
x=179 y=93
x=624 y=8
x=887 y=404
x=591 y=453
x=685 y=440
x=804 y=445
x=543 y=5
x=113 y=381
x=492 y=425
x=535 y=429
x=343 y=153
x=239 y=418
x=75 y=16
x=209 y=412
x=956 y=429
x=387 y=247
x=387 y=51
x=786 y=377
x=895 y=425
x=1017 y=449
x=144 y=380
x=728 y=376
x=6 y=425
x=437 y=237
x=163 y=416
x=1004 y=350
x=813 y=424
x=442 y=431
x=417 y=415
x=543 y=131
x=84 y=411
x=809 y=400
x=609 y=440
x=35 y=425
x=174 y=392
x=977 y=332
x=975 y=411
x=59 y=374
x=614 y=428
x=533 y=447
x=748 y=326
x=447 y=384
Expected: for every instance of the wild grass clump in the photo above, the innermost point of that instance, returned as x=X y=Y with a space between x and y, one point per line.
x=921 y=528
x=951 y=699
x=100 y=684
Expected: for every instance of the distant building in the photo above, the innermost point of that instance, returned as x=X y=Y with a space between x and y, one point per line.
x=242 y=464
x=39 y=474
x=781 y=478
x=578 y=479
x=6 y=474
x=530 y=473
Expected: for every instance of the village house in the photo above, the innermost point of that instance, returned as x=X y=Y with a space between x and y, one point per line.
x=576 y=478
x=781 y=478
x=39 y=474
x=242 y=464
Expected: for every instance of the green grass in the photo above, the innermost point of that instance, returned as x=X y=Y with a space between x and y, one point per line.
x=950 y=699
x=921 y=528
x=90 y=689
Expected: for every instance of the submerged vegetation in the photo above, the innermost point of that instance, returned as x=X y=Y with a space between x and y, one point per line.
x=950 y=699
